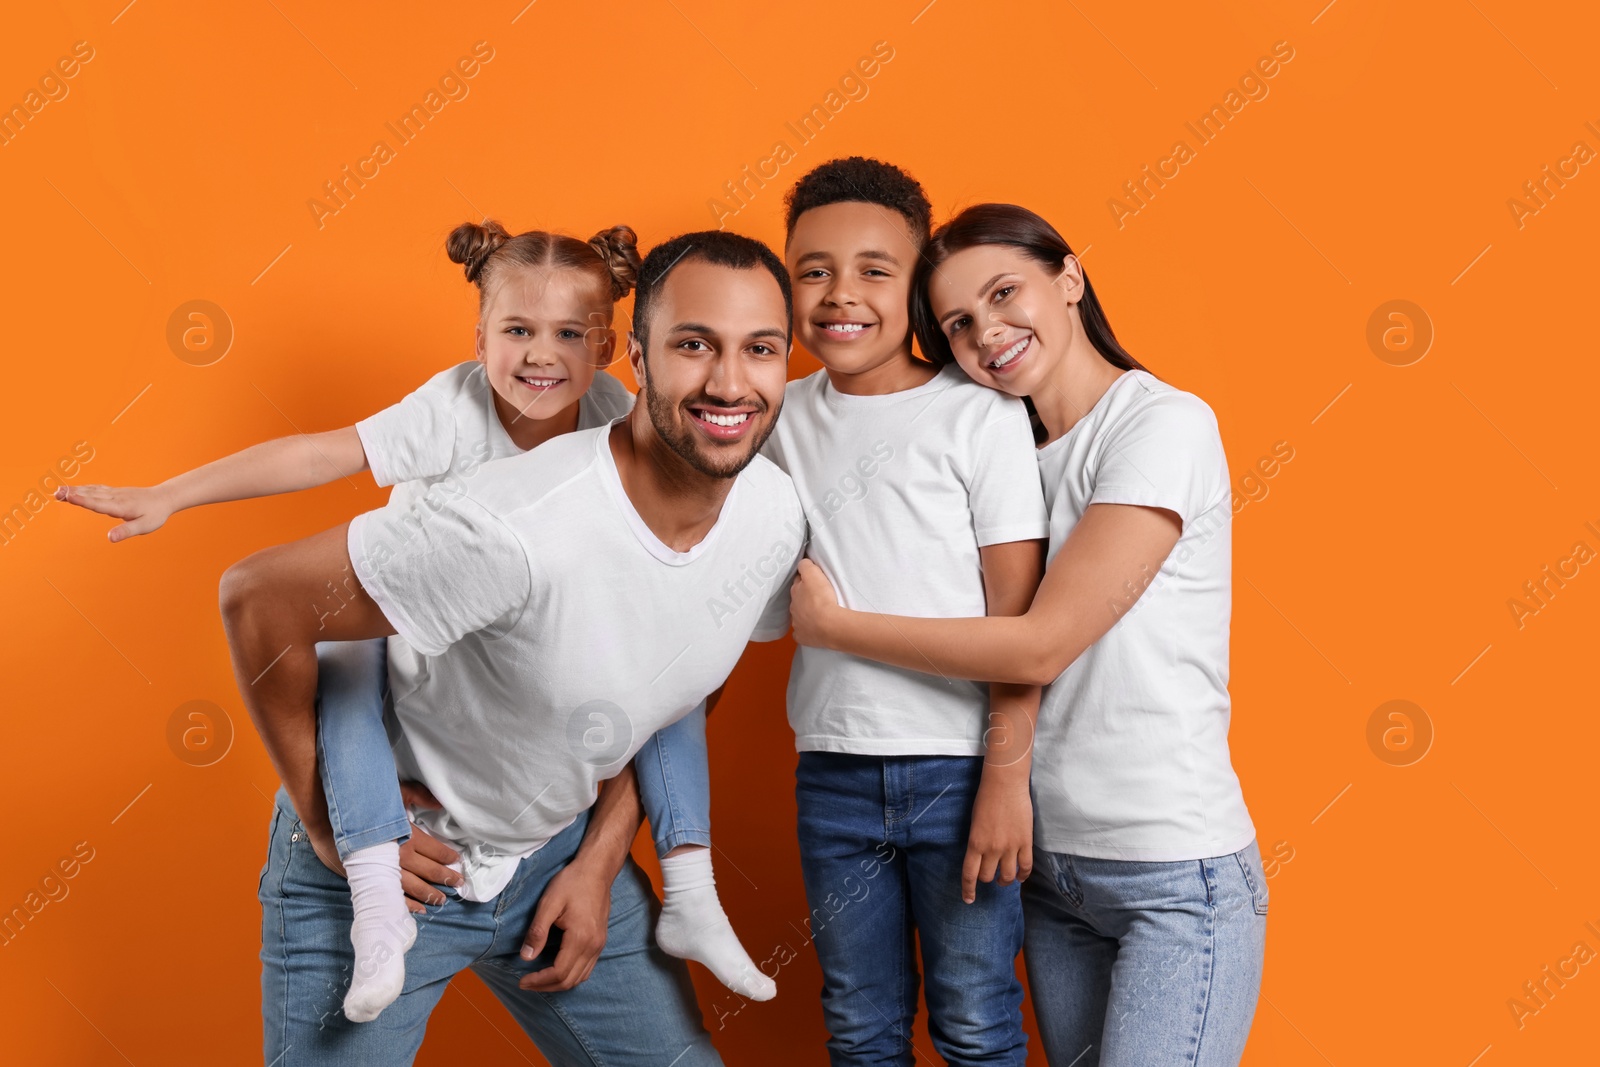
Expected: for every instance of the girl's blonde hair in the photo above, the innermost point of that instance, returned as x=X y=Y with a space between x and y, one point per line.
x=484 y=251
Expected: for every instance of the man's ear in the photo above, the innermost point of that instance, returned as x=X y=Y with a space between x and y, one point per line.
x=636 y=359
x=1070 y=280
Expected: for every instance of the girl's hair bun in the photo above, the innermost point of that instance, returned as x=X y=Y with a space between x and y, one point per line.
x=618 y=248
x=471 y=245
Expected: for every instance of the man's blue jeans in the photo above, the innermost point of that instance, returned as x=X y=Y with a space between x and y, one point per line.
x=882 y=840
x=637 y=1007
x=1142 y=963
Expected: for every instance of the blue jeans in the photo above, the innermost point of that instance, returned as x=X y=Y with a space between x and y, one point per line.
x=637 y=1007
x=353 y=753
x=882 y=840
x=675 y=783
x=1137 y=963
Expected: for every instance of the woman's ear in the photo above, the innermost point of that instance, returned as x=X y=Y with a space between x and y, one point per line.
x=1070 y=280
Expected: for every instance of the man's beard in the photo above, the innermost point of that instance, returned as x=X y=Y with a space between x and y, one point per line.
x=680 y=435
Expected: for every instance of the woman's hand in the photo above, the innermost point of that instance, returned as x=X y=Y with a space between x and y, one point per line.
x=143 y=510
x=813 y=605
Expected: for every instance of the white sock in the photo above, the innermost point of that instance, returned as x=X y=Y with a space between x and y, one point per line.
x=693 y=926
x=382 y=931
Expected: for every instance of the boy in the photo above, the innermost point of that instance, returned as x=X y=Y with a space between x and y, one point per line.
x=923 y=498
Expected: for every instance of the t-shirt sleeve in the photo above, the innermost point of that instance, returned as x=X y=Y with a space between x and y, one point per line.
x=785 y=557
x=1003 y=486
x=415 y=438
x=1166 y=454
x=440 y=575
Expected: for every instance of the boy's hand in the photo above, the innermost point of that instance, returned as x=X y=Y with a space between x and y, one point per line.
x=1000 y=845
x=144 y=510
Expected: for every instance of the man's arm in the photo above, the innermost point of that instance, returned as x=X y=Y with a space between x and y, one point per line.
x=276 y=604
x=578 y=898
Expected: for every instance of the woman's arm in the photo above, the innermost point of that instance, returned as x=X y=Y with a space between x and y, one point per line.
x=285 y=465
x=1110 y=558
x=1000 y=842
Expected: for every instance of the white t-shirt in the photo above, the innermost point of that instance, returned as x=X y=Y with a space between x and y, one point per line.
x=1131 y=758
x=553 y=633
x=901 y=490
x=443 y=432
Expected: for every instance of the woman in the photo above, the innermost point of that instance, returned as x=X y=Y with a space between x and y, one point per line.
x=1146 y=916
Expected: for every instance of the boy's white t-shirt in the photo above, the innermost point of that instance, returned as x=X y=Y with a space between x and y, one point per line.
x=1131 y=754
x=901 y=490
x=552 y=633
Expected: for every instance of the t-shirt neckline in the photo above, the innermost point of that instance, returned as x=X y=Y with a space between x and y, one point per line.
x=641 y=529
x=937 y=383
x=1105 y=398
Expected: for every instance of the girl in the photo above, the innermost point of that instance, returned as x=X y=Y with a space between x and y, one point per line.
x=544 y=328
x=1145 y=919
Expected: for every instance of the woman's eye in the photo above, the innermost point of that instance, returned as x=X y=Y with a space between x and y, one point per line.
x=957 y=325
x=1004 y=291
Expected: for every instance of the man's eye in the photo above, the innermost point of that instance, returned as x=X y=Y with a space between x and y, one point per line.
x=702 y=346
x=763 y=350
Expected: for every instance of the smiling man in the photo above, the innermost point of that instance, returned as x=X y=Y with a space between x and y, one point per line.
x=554 y=617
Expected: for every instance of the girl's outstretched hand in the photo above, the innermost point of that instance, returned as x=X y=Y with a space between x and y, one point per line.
x=143 y=510
x=812 y=605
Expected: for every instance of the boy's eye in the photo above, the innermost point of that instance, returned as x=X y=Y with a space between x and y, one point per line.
x=815 y=272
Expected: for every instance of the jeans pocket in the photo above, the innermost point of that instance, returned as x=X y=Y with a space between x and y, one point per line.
x=1255 y=878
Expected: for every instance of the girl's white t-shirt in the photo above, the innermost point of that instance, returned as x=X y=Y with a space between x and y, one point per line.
x=1131 y=759
x=901 y=491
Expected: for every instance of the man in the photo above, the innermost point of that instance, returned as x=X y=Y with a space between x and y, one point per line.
x=557 y=617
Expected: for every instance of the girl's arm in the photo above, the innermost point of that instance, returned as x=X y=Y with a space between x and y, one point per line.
x=285 y=465
x=1110 y=558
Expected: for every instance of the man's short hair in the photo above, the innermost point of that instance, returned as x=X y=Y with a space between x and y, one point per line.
x=717 y=247
x=861 y=180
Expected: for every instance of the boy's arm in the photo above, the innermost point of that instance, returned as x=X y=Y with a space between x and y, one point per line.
x=285 y=465
x=1000 y=843
x=276 y=605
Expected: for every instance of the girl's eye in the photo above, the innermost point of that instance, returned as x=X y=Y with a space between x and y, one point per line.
x=517 y=331
x=570 y=335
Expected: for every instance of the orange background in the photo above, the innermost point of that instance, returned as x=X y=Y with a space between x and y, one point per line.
x=1377 y=566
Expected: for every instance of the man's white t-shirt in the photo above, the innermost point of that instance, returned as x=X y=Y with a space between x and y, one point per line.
x=554 y=633
x=1131 y=754
x=901 y=490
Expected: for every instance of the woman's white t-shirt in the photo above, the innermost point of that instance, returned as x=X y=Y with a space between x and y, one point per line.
x=1131 y=759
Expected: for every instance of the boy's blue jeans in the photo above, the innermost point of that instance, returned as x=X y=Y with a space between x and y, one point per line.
x=363 y=790
x=882 y=841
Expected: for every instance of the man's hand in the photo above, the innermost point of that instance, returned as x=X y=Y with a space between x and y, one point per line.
x=1000 y=845
x=143 y=510
x=423 y=857
x=578 y=900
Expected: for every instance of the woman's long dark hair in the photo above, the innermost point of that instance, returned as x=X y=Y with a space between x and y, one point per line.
x=1019 y=228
